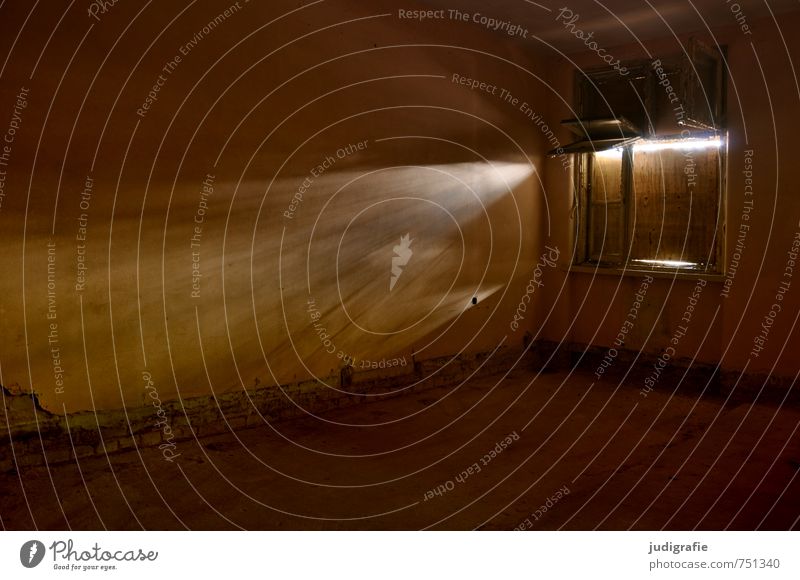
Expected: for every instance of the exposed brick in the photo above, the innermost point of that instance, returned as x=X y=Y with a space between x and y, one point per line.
x=59 y=455
x=211 y=429
x=150 y=438
x=30 y=459
x=237 y=422
x=80 y=451
x=203 y=413
x=115 y=432
x=183 y=432
x=254 y=420
x=107 y=446
x=124 y=442
x=85 y=437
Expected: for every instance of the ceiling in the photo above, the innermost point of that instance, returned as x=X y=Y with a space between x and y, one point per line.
x=617 y=22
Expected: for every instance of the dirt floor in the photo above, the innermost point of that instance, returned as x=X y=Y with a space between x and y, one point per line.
x=549 y=451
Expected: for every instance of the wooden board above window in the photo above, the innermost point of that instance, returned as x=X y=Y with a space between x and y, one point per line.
x=702 y=87
x=686 y=91
x=606 y=94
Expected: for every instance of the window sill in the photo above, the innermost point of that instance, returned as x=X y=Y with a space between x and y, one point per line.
x=675 y=273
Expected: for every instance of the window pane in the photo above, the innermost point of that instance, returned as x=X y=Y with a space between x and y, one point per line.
x=607 y=217
x=607 y=177
x=608 y=226
x=675 y=201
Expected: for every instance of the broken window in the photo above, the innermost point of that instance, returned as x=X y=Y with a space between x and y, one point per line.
x=650 y=164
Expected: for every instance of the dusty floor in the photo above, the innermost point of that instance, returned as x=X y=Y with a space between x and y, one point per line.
x=676 y=462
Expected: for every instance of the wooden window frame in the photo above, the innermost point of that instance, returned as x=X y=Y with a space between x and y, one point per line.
x=695 y=124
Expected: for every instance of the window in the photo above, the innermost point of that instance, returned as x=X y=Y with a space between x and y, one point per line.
x=650 y=165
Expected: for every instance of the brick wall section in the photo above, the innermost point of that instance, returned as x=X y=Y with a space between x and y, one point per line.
x=690 y=377
x=40 y=437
